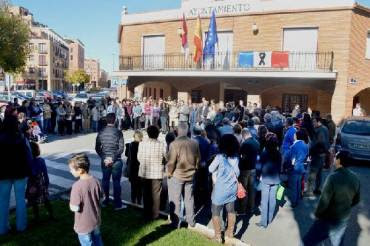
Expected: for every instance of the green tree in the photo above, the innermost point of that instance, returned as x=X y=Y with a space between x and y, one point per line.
x=14 y=41
x=77 y=77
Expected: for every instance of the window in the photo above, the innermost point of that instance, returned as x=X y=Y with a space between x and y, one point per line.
x=42 y=60
x=71 y=58
x=196 y=96
x=42 y=72
x=150 y=92
x=290 y=100
x=161 y=93
x=368 y=46
x=42 y=48
x=155 y=93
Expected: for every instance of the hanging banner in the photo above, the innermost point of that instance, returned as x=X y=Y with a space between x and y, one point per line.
x=262 y=59
x=280 y=59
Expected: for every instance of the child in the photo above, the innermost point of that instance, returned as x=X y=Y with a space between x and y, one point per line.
x=133 y=167
x=37 y=134
x=86 y=197
x=38 y=183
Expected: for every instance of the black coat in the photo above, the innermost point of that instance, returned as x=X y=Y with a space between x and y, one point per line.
x=15 y=155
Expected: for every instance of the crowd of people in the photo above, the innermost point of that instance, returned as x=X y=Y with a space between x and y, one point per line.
x=227 y=157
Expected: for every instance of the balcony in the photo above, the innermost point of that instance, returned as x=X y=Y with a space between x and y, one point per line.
x=237 y=64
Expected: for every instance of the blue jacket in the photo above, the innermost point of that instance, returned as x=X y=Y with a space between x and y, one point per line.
x=226 y=129
x=288 y=139
x=204 y=147
x=297 y=155
x=226 y=172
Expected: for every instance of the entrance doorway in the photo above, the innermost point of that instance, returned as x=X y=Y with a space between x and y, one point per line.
x=232 y=95
x=290 y=100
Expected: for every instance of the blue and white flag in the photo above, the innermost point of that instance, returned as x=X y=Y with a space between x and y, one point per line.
x=212 y=38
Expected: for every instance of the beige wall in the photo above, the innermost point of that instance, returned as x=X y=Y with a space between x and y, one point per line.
x=92 y=68
x=359 y=66
x=76 y=56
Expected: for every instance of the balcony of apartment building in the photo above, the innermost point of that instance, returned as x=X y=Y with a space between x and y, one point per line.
x=264 y=64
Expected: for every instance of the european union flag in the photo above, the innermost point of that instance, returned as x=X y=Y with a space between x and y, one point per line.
x=212 y=38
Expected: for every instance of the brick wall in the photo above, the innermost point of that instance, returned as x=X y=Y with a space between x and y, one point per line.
x=359 y=66
x=341 y=31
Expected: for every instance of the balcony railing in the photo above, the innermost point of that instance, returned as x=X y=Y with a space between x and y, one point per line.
x=236 y=61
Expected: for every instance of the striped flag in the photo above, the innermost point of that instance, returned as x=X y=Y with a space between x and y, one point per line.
x=184 y=34
x=198 y=41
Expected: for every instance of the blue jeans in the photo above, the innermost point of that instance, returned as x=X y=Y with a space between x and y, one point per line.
x=116 y=173
x=268 y=203
x=326 y=229
x=91 y=239
x=94 y=125
x=21 y=212
x=47 y=126
x=295 y=186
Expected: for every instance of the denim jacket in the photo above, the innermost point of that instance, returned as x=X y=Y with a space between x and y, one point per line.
x=226 y=172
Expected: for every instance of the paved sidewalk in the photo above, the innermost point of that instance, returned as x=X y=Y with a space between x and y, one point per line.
x=287 y=228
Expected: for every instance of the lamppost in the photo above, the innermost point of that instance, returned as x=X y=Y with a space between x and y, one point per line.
x=113 y=63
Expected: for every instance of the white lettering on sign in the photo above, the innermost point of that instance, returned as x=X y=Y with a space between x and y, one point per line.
x=223 y=9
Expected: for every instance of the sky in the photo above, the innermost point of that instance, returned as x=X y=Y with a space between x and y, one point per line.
x=94 y=22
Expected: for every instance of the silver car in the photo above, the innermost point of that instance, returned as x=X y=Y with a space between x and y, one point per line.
x=354 y=137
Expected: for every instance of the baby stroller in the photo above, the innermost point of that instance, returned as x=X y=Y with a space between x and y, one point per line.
x=37 y=135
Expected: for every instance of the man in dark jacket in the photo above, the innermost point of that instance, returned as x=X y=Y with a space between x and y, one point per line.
x=249 y=151
x=340 y=194
x=331 y=128
x=15 y=165
x=318 y=150
x=110 y=146
x=201 y=194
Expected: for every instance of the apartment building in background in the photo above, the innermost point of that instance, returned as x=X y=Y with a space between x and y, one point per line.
x=76 y=54
x=48 y=59
x=92 y=68
x=103 y=80
x=272 y=52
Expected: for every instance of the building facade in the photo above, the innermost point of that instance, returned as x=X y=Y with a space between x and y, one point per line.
x=76 y=54
x=272 y=52
x=48 y=58
x=92 y=68
x=103 y=79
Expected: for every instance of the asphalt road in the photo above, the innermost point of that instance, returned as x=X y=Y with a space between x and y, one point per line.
x=287 y=228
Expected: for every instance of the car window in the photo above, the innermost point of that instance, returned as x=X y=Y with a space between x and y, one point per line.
x=357 y=127
x=82 y=96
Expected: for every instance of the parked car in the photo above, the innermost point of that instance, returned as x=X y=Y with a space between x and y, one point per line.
x=27 y=93
x=354 y=137
x=80 y=97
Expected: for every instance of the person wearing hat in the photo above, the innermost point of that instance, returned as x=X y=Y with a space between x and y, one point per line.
x=340 y=194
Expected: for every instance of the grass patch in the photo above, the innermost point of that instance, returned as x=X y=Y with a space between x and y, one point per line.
x=118 y=228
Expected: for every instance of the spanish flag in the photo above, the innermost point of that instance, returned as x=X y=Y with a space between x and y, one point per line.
x=198 y=41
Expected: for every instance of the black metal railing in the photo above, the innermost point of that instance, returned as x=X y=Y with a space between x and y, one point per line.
x=236 y=61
